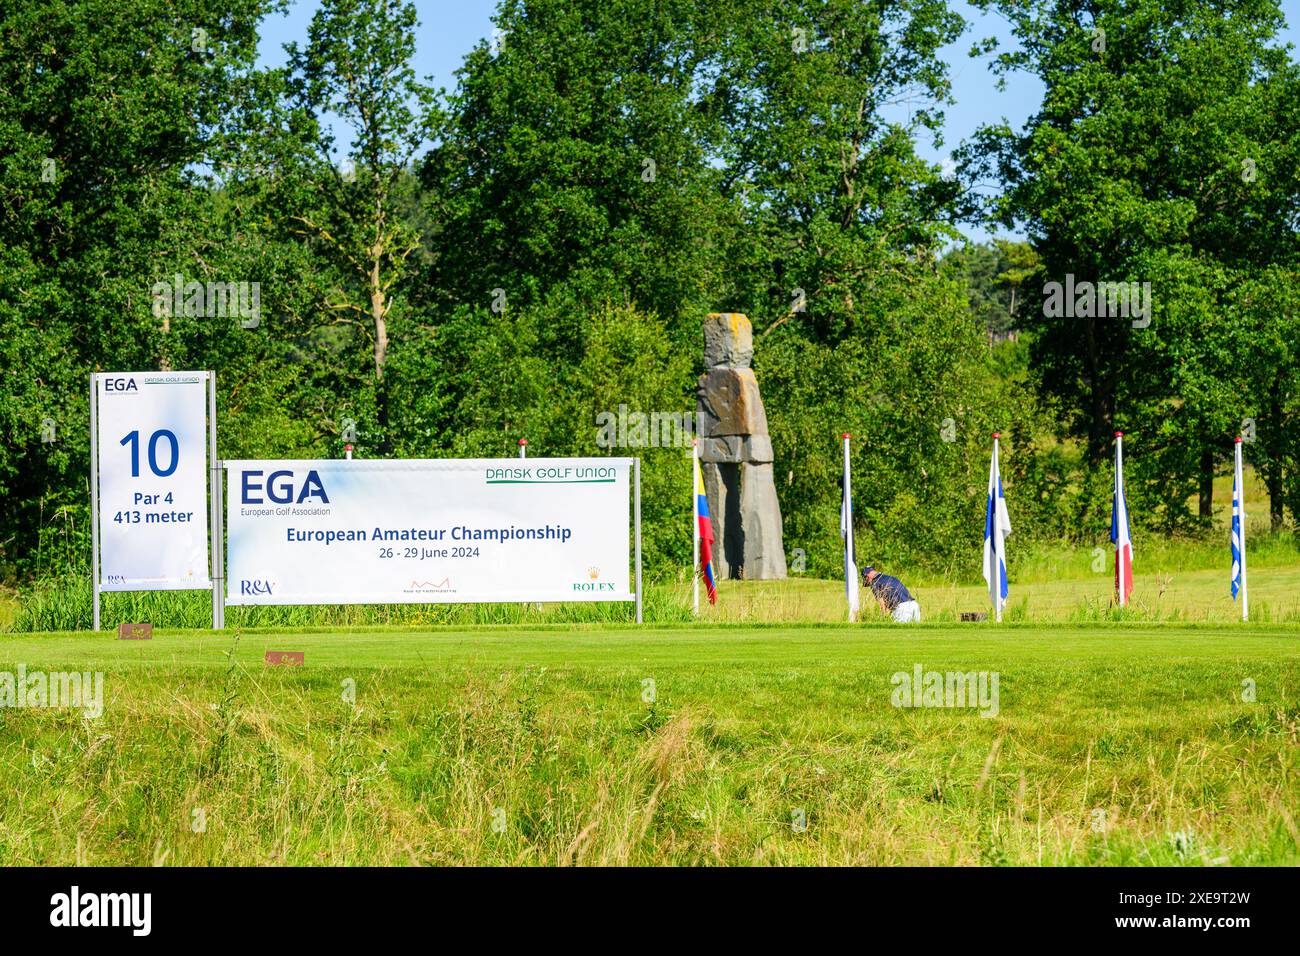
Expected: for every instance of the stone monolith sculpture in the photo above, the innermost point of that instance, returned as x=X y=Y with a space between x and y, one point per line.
x=736 y=455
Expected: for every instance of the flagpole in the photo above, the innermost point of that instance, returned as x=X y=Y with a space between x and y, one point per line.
x=1119 y=543
x=995 y=577
x=1241 y=528
x=847 y=507
x=695 y=522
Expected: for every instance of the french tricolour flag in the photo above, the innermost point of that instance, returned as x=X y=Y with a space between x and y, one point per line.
x=1119 y=530
x=997 y=526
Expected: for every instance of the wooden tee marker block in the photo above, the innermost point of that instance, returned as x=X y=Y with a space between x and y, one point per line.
x=285 y=658
x=134 y=632
x=971 y=616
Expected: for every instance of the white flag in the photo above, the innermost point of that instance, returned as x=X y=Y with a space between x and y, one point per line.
x=997 y=526
x=846 y=532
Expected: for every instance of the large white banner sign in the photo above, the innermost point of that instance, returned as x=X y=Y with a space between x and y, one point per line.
x=428 y=531
x=153 y=482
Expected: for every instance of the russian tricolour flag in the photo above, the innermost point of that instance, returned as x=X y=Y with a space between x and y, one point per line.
x=997 y=526
x=705 y=531
x=1119 y=530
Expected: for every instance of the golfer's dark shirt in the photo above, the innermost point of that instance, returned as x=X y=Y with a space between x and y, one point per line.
x=890 y=590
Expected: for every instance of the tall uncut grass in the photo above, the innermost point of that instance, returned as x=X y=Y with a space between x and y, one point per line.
x=523 y=747
x=66 y=604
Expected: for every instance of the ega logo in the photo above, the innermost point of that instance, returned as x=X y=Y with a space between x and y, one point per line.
x=120 y=385
x=280 y=488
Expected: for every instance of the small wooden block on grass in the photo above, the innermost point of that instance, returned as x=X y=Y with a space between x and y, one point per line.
x=973 y=616
x=134 y=632
x=285 y=658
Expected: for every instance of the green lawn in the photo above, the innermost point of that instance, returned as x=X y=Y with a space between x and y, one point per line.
x=1119 y=744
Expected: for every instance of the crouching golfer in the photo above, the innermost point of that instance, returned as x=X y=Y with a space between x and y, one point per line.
x=892 y=596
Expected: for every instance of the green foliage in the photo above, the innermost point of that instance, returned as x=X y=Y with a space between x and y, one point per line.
x=994 y=274
x=537 y=247
x=842 y=211
x=578 y=154
x=511 y=376
x=1164 y=152
x=107 y=111
x=915 y=391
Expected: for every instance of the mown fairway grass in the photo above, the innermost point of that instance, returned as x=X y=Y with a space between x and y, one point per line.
x=1118 y=744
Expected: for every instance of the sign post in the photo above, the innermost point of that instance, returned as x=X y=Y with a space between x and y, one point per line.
x=150 y=505
x=94 y=497
x=216 y=498
x=636 y=470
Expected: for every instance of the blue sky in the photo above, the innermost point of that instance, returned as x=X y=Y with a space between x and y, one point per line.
x=450 y=28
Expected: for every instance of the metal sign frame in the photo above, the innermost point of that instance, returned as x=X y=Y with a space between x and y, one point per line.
x=217 y=573
x=636 y=497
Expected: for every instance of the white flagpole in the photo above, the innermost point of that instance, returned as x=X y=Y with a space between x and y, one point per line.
x=695 y=522
x=1119 y=542
x=847 y=508
x=995 y=572
x=1241 y=526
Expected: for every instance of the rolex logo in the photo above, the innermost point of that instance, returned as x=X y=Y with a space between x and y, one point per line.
x=593 y=573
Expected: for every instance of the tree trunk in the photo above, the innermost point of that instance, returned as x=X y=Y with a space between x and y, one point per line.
x=1099 y=425
x=1206 y=509
x=1275 y=457
x=379 y=315
x=1273 y=482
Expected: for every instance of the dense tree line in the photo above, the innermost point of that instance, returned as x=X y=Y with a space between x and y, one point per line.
x=538 y=245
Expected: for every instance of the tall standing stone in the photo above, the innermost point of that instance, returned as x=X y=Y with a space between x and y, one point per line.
x=736 y=454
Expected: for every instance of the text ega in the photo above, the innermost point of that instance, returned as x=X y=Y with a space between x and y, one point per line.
x=281 y=488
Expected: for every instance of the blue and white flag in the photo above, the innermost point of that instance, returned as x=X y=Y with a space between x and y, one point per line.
x=1239 y=535
x=1236 y=536
x=997 y=526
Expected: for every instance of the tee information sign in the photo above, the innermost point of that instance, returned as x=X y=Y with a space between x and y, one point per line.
x=150 y=462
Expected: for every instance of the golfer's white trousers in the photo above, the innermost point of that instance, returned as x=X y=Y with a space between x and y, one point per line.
x=909 y=612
